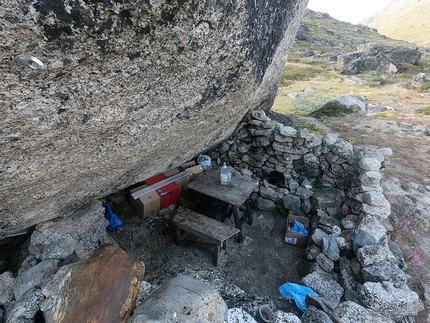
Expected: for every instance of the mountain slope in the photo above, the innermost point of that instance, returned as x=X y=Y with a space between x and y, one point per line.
x=404 y=19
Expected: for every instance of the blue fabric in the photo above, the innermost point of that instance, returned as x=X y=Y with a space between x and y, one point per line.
x=298 y=292
x=114 y=221
x=299 y=228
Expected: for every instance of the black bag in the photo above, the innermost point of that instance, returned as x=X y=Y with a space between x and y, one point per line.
x=276 y=178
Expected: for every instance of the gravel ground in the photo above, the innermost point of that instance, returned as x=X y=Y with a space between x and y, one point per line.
x=249 y=274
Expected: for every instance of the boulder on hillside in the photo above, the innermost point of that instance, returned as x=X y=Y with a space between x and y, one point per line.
x=357 y=103
x=399 y=54
x=382 y=64
x=301 y=32
x=418 y=80
x=379 y=58
x=351 y=63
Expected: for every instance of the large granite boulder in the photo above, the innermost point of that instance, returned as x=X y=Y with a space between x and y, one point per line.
x=350 y=312
x=103 y=287
x=99 y=95
x=390 y=301
x=182 y=299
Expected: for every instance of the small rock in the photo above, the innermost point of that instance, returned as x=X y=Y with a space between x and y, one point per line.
x=330 y=138
x=363 y=238
x=325 y=263
x=24 y=310
x=6 y=287
x=369 y=255
x=238 y=315
x=325 y=286
x=265 y=204
x=351 y=312
x=34 y=276
x=282 y=317
x=385 y=271
x=369 y=164
x=314 y=315
x=330 y=247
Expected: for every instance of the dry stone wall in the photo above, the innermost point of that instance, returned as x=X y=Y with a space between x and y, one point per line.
x=128 y=89
x=334 y=184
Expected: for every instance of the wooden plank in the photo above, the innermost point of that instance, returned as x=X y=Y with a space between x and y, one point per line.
x=160 y=184
x=236 y=193
x=203 y=226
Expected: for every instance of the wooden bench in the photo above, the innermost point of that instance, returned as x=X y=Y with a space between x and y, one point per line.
x=211 y=231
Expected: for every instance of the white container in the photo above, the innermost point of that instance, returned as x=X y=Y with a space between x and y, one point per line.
x=224 y=174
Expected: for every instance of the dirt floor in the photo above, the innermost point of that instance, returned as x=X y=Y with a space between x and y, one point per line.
x=258 y=266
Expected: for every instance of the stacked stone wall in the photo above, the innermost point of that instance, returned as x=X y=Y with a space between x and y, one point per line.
x=335 y=184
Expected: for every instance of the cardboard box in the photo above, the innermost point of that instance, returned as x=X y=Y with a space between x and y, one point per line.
x=183 y=183
x=155 y=179
x=169 y=194
x=188 y=165
x=196 y=170
x=171 y=172
x=296 y=238
x=146 y=205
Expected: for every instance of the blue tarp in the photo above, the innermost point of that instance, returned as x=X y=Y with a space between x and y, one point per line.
x=298 y=292
x=299 y=228
x=114 y=221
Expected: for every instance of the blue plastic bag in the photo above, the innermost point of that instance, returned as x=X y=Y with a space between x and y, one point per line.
x=114 y=221
x=299 y=228
x=298 y=292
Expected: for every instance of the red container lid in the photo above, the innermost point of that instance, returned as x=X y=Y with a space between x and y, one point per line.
x=167 y=189
x=155 y=179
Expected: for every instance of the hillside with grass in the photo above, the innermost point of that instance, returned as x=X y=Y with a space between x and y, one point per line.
x=404 y=19
x=312 y=64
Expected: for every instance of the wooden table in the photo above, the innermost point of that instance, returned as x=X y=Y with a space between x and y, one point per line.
x=236 y=193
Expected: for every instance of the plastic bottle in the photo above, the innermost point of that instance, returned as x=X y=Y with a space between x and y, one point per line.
x=224 y=174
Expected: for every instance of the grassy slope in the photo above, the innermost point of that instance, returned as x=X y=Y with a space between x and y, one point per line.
x=404 y=19
x=302 y=72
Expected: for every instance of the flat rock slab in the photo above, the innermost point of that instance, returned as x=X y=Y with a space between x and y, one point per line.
x=101 y=288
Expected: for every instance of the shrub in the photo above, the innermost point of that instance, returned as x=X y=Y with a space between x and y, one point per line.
x=331 y=109
x=309 y=101
x=424 y=111
x=300 y=74
x=425 y=87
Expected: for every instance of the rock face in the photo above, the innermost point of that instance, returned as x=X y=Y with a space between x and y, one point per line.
x=127 y=90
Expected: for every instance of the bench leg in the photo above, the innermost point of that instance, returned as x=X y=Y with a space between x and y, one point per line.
x=219 y=252
x=180 y=235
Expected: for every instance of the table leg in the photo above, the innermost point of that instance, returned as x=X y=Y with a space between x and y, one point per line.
x=248 y=212
x=238 y=222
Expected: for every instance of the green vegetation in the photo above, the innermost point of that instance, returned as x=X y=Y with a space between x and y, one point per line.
x=331 y=109
x=309 y=101
x=425 y=87
x=423 y=111
x=299 y=74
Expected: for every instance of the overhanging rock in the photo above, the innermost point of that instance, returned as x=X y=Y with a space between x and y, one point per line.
x=127 y=89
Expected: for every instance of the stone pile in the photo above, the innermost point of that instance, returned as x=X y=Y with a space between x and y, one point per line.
x=358 y=274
